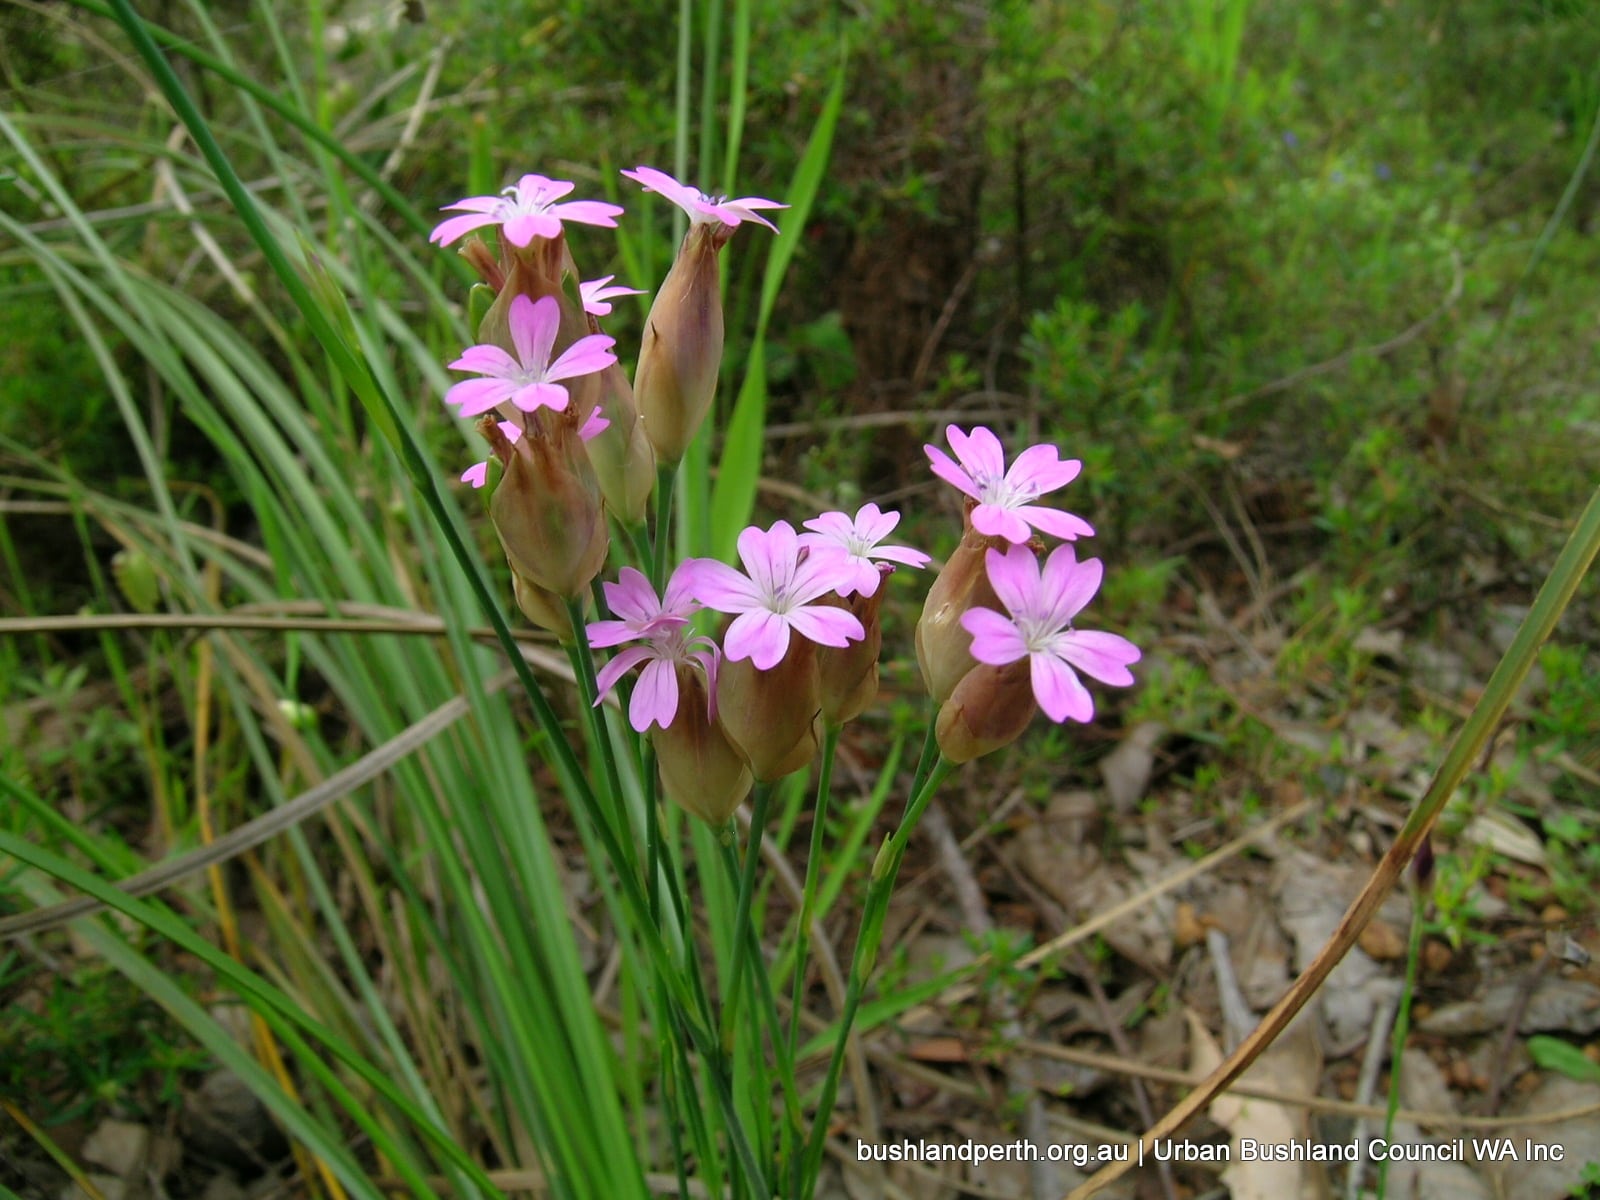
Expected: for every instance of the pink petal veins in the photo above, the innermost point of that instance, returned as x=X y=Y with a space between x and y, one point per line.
x=950 y=472
x=760 y=636
x=995 y=640
x=1041 y=469
x=1100 y=655
x=1056 y=523
x=1014 y=576
x=826 y=626
x=1058 y=690
x=534 y=324
x=655 y=696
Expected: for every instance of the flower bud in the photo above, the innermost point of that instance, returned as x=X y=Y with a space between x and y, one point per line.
x=547 y=507
x=847 y=677
x=623 y=460
x=701 y=771
x=944 y=648
x=541 y=606
x=681 y=352
x=771 y=715
x=989 y=708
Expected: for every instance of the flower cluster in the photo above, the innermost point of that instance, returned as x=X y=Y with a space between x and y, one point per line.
x=578 y=444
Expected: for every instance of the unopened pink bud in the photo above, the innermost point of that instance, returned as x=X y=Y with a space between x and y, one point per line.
x=989 y=708
x=771 y=715
x=541 y=606
x=547 y=507
x=623 y=458
x=701 y=771
x=847 y=677
x=681 y=352
x=944 y=648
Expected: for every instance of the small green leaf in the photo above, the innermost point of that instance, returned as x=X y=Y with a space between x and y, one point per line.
x=1553 y=1054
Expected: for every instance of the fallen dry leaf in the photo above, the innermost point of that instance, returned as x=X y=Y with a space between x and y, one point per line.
x=1383 y=941
x=1292 y=1064
x=1127 y=769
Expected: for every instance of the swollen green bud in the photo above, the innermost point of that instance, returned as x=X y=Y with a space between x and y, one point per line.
x=547 y=508
x=944 y=648
x=989 y=708
x=771 y=715
x=700 y=769
x=681 y=352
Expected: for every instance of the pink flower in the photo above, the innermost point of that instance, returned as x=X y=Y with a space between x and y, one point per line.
x=704 y=209
x=478 y=473
x=668 y=642
x=1005 y=498
x=597 y=296
x=854 y=544
x=525 y=211
x=1040 y=629
x=774 y=597
x=528 y=381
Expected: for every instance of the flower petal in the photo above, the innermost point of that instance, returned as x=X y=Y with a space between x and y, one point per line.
x=1102 y=656
x=1041 y=469
x=997 y=521
x=655 y=696
x=946 y=469
x=826 y=626
x=474 y=397
x=759 y=635
x=631 y=597
x=1066 y=585
x=541 y=395
x=718 y=586
x=534 y=324
x=1058 y=690
x=486 y=360
x=619 y=666
x=1014 y=576
x=588 y=212
x=477 y=474
x=980 y=452
x=1056 y=523
x=457 y=227
x=585 y=356
x=995 y=639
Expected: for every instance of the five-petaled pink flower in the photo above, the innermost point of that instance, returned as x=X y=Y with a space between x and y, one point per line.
x=1039 y=628
x=704 y=209
x=774 y=597
x=597 y=296
x=524 y=211
x=668 y=642
x=1005 y=498
x=528 y=381
x=854 y=543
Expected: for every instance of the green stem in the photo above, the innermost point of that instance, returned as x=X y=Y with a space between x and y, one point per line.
x=1402 y=1031
x=808 y=902
x=741 y=913
x=885 y=869
x=582 y=658
x=666 y=475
